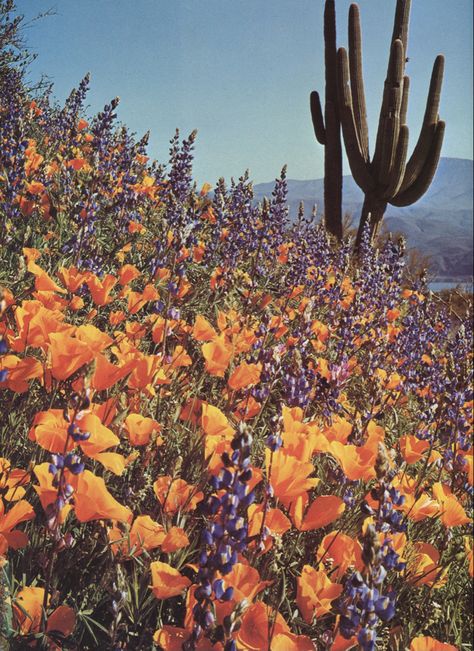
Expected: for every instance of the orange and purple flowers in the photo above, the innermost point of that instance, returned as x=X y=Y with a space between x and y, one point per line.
x=218 y=431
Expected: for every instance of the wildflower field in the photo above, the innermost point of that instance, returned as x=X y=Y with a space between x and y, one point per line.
x=219 y=430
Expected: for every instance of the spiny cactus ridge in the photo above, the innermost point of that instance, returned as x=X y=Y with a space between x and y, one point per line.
x=328 y=129
x=389 y=177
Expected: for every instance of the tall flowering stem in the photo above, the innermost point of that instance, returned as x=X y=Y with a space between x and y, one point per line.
x=363 y=605
x=222 y=541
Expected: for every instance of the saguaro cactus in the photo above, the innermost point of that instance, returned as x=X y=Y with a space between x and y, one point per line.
x=328 y=129
x=388 y=177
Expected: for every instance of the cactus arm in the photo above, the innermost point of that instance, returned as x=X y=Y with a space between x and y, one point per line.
x=404 y=106
x=398 y=168
x=389 y=122
x=423 y=146
x=317 y=118
x=401 y=21
x=424 y=178
x=389 y=146
x=359 y=167
x=357 y=81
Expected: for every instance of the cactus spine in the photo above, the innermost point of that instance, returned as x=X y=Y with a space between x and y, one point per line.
x=328 y=129
x=388 y=177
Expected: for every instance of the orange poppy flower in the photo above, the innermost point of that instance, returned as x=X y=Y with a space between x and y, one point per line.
x=34 y=187
x=92 y=500
x=28 y=609
x=33 y=159
x=10 y=537
x=167 y=581
x=100 y=289
x=171 y=638
x=217 y=354
x=68 y=354
x=321 y=332
x=176 y=495
x=423 y=566
x=12 y=481
x=191 y=411
x=148 y=372
x=144 y=534
x=128 y=273
x=93 y=337
x=140 y=429
x=356 y=462
x=42 y=281
x=343 y=550
x=77 y=163
x=106 y=374
x=116 y=317
x=113 y=461
x=19 y=372
x=275 y=520
x=300 y=439
x=35 y=324
x=341 y=644
x=158 y=330
x=26 y=206
x=180 y=358
x=255 y=630
x=323 y=510
x=76 y=303
x=245 y=375
x=216 y=427
x=137 y=300
x=245 y=581
x=315 y=593
x=426 y=643
x=289 y=476
x=61 y=620
x=423 y=507
x=291 y=642
x=28 y=612
x=452 y=513
x=49 y=430
x=247 y=408
x=46 y=492
x=198 y=252
x=174 y=539
x=413 y=448
x=339 y=430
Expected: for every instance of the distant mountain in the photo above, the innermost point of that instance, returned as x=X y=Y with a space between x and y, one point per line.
x=440 y=225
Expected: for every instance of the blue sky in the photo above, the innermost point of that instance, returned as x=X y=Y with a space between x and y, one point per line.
x=240 y=71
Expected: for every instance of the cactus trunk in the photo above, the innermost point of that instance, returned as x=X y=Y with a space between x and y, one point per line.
x=328 y=129
x=373 y=210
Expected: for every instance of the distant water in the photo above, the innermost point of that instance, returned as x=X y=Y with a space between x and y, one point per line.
x=439 y=286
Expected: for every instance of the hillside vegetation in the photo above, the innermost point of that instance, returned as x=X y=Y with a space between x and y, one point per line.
x=219 y=430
